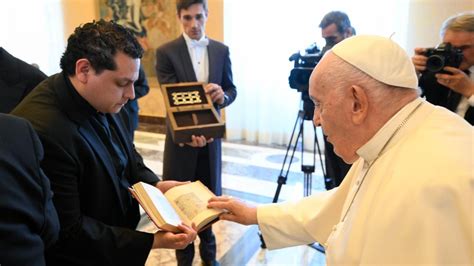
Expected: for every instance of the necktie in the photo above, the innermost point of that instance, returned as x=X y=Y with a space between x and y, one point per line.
x=111 y=140
x=110 y=137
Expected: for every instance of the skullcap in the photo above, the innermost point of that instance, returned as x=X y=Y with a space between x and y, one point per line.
x=379 y=57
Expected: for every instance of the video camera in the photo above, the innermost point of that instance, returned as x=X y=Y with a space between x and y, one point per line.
x=304 y=65
x=443 y=55
x=299 y=76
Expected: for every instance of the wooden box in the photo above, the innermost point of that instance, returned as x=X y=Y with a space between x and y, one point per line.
x=190 y=112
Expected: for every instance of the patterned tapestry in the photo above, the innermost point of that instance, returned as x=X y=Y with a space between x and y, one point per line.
x=153 y=21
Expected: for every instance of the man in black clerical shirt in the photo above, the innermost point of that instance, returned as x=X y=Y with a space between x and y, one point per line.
x=17 y=79
x=89 y=156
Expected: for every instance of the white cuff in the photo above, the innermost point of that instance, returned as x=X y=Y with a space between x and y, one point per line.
x=470 y=100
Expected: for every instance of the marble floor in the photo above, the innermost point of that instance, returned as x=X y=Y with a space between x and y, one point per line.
x=250 y=173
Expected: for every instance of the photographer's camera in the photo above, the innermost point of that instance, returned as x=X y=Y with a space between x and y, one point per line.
x=441 y=56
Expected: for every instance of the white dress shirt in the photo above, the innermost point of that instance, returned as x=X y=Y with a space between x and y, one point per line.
x=465 y=103
x=199 y=57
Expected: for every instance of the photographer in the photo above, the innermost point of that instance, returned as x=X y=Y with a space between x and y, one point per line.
x=453 y=87
x=335 y=27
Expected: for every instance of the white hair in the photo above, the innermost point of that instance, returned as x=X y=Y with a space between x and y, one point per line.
x=342 y=75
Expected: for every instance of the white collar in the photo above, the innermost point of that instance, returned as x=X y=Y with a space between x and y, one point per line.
x=371 y=150
x=203 y=42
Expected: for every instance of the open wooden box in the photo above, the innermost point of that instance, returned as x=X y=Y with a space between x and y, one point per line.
x=190 y=112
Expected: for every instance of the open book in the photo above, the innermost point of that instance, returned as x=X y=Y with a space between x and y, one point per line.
x=185 y=203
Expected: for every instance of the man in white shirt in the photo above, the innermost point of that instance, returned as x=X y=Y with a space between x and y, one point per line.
x=455 y=88
x=407 y=198
x=189 y=58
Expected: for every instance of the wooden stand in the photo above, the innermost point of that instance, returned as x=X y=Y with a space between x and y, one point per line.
x=190 y=112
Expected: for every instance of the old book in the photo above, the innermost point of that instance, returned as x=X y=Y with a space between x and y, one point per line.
x=185 y=203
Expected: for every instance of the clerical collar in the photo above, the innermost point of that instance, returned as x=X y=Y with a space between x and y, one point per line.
x=83 y=107
x=371 y=150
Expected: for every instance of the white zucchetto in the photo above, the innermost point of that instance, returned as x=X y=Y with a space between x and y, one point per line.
x=380 y=58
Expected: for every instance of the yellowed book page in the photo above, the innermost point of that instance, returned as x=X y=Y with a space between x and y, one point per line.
x=190 y=201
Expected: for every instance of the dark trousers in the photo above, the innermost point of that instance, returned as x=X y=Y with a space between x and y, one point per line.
x=207 y=249
x=336 y=168
x=207 y=245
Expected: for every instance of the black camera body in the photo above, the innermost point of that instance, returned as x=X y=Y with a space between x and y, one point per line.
x=441 y=56
x=300 y=74
x=303 y=67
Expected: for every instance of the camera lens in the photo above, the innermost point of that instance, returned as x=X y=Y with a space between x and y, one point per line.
x=435 y=63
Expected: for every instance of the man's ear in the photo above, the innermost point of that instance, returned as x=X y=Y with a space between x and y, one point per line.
x=83 y=70
x=360 y=104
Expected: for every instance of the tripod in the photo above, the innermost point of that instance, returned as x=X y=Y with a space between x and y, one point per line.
x=304 y=114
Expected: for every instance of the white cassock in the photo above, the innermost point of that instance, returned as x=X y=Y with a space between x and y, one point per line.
x=414 y=206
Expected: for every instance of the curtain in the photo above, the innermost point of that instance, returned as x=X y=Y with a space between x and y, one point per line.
x=32 y=30
x=263 y=34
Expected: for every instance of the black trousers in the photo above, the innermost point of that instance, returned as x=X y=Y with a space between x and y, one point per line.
x=336 y=168
x=207 y=245
x=207 y=250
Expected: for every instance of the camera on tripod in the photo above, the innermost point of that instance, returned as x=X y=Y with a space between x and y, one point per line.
x=304 y=65
x=443 y=55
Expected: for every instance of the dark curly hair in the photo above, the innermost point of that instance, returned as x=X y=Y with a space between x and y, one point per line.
x=98 y=42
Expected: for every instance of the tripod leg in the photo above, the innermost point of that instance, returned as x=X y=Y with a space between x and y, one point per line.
x=277 y=192
x=283 y=177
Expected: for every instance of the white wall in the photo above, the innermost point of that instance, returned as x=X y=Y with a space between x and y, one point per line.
x=425 y=18
x=36 y=30
x=31 y=30
x=262 y=34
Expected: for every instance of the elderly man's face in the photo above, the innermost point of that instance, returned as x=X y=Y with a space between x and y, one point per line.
x=332 y=110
